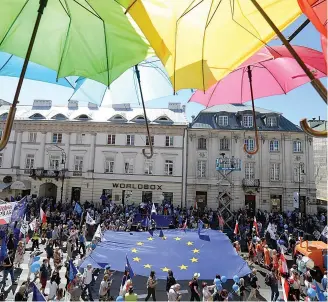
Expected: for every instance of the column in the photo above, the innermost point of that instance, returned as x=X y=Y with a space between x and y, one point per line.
x=92 y=152
x=42 y=150
x=18 y=151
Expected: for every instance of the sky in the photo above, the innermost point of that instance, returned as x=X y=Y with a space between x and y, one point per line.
x=303 y=102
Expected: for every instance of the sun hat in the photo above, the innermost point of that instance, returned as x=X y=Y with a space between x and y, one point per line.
x=196 y=275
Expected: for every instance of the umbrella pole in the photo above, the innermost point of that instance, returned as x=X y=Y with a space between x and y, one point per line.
x=318 y=86
x=145 y=115
x=249 y=72
x=12 y=110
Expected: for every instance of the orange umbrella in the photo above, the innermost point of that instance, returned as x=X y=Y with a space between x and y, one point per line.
x=316 y=11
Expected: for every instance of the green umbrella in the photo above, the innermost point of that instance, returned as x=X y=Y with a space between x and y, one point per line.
x=88 y=38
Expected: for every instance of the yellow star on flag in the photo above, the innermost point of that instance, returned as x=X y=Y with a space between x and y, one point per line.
x=193 y=259
x=150 y=238
x=134 y=251
x=136 y=259
x=190 y=243
x=147 y=266
x=183 y=267
x=195 y=251
x=165 y=269
x=140 y=243
x=177 y=238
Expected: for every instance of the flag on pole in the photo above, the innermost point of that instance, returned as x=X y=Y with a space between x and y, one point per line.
x=153 y=209
x=33 y=224
x=285 y=288
x=184 y=227
x=19 y=209
x=221 y=220
x=129 y=268
x=89 y=220
x=320 y=295
x=98 y=233
x=24 y=226
x=72 y=271
x=256 y=226
x=37 y=295
x=284 y=267
x=78 y=208
x=43 y=216
x=236 y=230
x=3 y=250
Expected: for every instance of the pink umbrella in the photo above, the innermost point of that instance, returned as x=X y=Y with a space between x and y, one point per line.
x=271 y=71
x=274 y=71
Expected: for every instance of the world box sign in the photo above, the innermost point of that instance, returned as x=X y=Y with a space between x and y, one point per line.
x=138 y=186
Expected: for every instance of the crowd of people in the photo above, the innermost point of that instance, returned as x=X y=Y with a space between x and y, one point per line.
x=65 y=230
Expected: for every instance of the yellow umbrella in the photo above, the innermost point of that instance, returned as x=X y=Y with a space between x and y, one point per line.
x=201 y=41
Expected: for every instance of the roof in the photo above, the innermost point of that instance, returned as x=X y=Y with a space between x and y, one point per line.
x=101 y=114
x=207 y=119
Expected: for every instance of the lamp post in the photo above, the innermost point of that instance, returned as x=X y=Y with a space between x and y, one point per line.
x=300 y=172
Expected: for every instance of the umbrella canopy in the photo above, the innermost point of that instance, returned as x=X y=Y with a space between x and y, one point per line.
x=200 y=42
x=274 y=71
x=93 y=38
x=316 y=11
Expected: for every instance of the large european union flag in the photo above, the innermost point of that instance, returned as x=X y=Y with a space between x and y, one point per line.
x=182 y=252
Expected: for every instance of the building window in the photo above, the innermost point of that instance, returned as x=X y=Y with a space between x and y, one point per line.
x=147 y=140
x=202 y=143
x=297 y=146
x=109 y=165
x=299 y=173
x=130 y=140
x=224 y=144
x=274 y=145
x=248 y=121
x=111 y=139
x=29 y=162
x=169 y=140
x=168 y=168
x=201 y=168
x=80 y=138
x=78 y=163
x=54 y=162
x=275 y=172
x=57 y=138
x=128 y=166
x=249 y=142
x=32 y=137
x=148 y=167
x=271 y=121
x=249 y=170
x=168 y=197
x=223 y=120
x=1 y=160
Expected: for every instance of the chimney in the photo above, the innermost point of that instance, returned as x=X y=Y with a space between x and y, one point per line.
x=319 y=117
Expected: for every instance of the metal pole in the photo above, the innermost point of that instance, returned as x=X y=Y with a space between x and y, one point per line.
x=298 y=30
x=63 y=177
x=317 y=85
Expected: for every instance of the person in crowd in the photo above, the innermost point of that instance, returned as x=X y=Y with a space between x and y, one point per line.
x=53 y=287
x=151 y=286
x=22 y=293
x=19 y=256
x=174 y=294
x=193 y=285
x=35 y=240
x=44 y=274
x=254 y=286
x=8 y=269
x=103 y=289
x=170 y=280
x=87 y=279
x=57 y=259
x=242 y=289
x=130 y=295
x=207 y=294
x=272 y=281
x=324 y=281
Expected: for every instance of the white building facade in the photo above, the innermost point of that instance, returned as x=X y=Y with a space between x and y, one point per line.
x=267 y=180
x=99 y=151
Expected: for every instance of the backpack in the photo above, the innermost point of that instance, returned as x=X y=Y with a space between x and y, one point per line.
x=268 y=280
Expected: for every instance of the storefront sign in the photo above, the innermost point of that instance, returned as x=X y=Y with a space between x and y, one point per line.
x=138 y=186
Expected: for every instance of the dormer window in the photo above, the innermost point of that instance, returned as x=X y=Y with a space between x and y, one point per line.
x=82 y=117
x=59 y=117
x=223 y=120
x=140 y=118
x=248 y=121
x=271 y=121
x=3 y=116
x=37 y=116
x=163 y=119
x=118 y=118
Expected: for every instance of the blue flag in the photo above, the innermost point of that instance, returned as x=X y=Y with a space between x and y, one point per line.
x=3 y=250
x=161 y=234
x=72 y=271
x=151 y=232
x=204 y=237
x=320 y=295
x=200 y=226
x=78 y=208
x=19 y=209
x=37 y=296
x=129 y=268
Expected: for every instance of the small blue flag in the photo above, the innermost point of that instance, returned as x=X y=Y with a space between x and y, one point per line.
x=37 y=296
x=200 y=226
x=78 y=208
x=161 y=234
x=320 y=295
x=151 y=232
x=72 y=271
x=3 y=250
x=205 y=237
x=19 y=209
x=129 y=268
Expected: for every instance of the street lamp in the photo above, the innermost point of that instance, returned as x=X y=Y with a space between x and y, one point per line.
x=300 y=172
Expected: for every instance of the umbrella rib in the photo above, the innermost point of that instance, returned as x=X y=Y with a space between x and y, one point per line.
x=65 y=9
x=6 y=62
x=11 y=25
x=86 y=9
x=241 y=84
x=273 y=77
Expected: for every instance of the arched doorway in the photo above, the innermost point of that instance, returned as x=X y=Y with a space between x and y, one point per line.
x=48 y=190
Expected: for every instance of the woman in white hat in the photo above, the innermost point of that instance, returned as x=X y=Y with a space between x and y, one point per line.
x=193 y=284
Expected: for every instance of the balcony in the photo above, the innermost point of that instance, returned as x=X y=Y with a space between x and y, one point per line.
x=77 y=173
x=41 y=173
x=251 y=183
